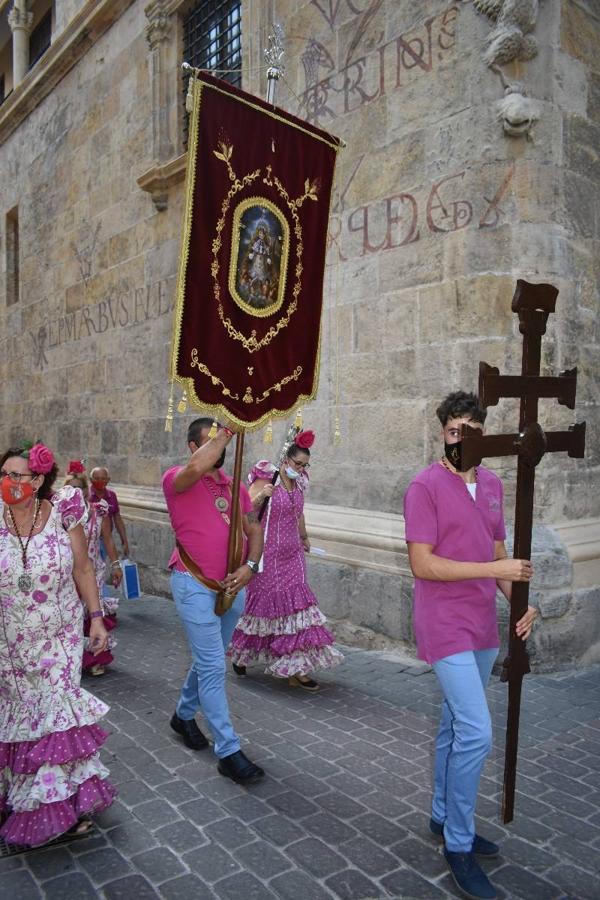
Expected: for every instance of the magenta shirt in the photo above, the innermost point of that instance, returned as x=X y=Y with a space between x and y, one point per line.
x=454 y=616
x=198 y=525
x=109 y=497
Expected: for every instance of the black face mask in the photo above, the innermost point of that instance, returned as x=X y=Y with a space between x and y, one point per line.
x=221 y=460
x=453 y=453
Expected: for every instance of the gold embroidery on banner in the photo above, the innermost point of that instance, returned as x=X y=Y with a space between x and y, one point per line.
x=251 y=343
x=277 y=387
x=247 y=398
x=195 y=362
x=257 y=282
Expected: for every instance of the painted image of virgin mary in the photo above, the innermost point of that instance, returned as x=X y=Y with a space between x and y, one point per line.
x=258 y=269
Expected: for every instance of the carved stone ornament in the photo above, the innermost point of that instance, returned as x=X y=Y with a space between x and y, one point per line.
x=511 y=39
x=159 y=23
x=20 y=18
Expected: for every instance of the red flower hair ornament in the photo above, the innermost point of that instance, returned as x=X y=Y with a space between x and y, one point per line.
x=304 y=439
x=76 y=467
x=40 y=459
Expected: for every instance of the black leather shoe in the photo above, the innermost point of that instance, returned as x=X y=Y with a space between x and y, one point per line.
x=189 y=731
x=238 y=767
x=239 y=670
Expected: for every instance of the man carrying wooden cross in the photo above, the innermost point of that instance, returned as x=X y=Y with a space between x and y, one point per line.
x=455 y=534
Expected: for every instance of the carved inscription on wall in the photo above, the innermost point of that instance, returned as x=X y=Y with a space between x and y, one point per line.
x=115 y=312
x=389 y=67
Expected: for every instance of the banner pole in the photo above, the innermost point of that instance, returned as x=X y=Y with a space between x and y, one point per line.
x=232 y=561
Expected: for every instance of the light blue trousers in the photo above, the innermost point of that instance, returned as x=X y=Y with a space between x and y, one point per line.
x=208 y=636
x=464 y=740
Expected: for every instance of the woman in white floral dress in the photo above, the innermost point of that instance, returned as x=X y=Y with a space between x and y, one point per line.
x=51 y=777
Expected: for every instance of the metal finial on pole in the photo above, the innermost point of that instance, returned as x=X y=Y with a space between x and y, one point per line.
x=274 y=52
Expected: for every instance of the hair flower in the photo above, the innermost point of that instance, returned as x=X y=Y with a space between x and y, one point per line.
x=40 y=459
x=76 y=467
x=304 y=439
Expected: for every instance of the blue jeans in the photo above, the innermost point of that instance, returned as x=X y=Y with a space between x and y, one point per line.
x=208 y=636
x=464 y=740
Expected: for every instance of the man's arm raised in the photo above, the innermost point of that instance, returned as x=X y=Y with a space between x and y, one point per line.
x=201 y=461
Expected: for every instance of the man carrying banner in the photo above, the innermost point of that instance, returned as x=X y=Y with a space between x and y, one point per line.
x=200 y=504
x=455 y=532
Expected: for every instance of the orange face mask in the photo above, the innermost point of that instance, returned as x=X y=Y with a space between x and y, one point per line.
x=14 y=493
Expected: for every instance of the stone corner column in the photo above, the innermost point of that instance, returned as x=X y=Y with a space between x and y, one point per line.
x=158 y=31
x=20 y=20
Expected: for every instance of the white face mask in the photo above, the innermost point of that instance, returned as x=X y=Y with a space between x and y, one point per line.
x=291 y=473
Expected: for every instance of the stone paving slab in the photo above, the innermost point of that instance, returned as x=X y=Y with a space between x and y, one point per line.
x=343 y=812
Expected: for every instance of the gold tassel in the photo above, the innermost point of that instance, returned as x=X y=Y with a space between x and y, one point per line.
x=182 y=405
x=298 y=419
x=268 y=439
x=169 y=419
x=337 y=434
x=213 y=430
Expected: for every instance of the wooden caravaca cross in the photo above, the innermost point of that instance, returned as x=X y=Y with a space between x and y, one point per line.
x=533 y=303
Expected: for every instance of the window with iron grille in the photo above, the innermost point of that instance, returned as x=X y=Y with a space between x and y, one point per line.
x=212 y=39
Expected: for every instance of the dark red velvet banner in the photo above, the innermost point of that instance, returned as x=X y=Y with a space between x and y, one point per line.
x=250 y=288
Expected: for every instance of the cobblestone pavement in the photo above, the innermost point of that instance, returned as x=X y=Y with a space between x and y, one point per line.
x=343 y=812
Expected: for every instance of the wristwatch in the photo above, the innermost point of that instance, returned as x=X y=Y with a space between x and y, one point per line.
x=253 y=566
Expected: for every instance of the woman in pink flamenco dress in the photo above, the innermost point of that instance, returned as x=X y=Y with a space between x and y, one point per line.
x=282 y=624
x=97 y=525
x=51 y=777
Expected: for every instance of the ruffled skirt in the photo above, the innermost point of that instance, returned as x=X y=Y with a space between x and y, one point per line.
x=290 y=640
x=53 y=779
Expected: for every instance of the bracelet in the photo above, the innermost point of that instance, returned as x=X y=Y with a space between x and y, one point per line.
x=97 y=614
x=116 y=562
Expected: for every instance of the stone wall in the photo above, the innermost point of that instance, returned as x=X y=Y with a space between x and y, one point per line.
x=438 y=212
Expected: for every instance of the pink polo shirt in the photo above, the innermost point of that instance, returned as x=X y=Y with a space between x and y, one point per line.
x=454 y=616
x=198 y=525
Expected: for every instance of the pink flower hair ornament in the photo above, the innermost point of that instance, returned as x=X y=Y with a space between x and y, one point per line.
x=75 y=467
x=40 y=459
x=304 y=439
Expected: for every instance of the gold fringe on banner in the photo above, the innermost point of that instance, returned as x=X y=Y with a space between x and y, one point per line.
x=213 y=430
x=268 y=439
x=169 y=419
x=182 y=405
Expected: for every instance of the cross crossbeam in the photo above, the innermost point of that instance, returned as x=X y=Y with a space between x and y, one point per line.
x=533 y=303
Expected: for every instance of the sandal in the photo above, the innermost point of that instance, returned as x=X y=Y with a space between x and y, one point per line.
x=306 y=685
x=97 y=670
x=80 y=829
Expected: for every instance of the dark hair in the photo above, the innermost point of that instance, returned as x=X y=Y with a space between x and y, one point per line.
x=293 y=449
x=195 y=427
x=460 y=404
x=45 y=491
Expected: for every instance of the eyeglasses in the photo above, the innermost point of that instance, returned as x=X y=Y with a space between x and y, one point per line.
x=16 y=477
x=299 y=465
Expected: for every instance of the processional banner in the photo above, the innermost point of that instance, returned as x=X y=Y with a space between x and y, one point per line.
x=247 y=325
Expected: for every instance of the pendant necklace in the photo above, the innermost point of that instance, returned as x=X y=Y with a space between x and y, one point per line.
x=221 y=502
x=25 y=581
